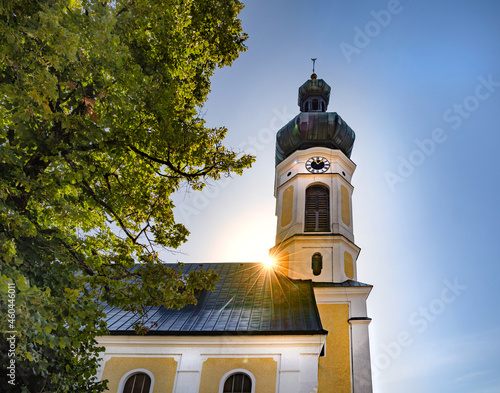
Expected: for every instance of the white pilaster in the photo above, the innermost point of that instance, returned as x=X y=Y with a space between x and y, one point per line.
x=360 y=347
x=289 y=373
x=298 y=372
x=188 y=375
x=308 y=373
x=100 y=366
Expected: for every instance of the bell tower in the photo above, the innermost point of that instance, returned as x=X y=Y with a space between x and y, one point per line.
x=314 y=237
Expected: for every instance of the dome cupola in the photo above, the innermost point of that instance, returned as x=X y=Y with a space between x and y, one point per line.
x=313 y=126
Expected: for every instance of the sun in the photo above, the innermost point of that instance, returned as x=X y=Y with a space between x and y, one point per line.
x=269 y=262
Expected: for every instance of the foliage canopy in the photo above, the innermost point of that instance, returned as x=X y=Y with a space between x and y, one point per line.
x=98 y=127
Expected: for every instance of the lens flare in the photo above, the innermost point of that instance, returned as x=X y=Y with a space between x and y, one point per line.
x=269 y=262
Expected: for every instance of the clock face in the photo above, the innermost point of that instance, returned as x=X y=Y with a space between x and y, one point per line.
x=317 y=165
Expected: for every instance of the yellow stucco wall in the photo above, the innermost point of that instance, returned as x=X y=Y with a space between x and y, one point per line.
x=287 y=207
x=335 y=367
x=348 y=265
x=345 y=206
x=263 y=369
x=163 y=370
x=283 y=263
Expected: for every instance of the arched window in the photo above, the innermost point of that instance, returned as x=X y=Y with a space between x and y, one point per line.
x=315 y=105
x=317 y=263
x=306 y=106
x=238 y=383
x=137 y=383
x=317 y=209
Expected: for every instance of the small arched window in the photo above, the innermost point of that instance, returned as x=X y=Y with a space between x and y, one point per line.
x=306 y=106
x=238 y=383
x=317 y=209
x=315 y=106
x=317 y=264
x=137 y=383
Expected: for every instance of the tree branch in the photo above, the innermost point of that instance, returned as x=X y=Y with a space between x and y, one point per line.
x=108 y=209
x=86 y=268
x=171 y=166
x=124 y=9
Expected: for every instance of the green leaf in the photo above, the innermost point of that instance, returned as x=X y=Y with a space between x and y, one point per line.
x=22 y=283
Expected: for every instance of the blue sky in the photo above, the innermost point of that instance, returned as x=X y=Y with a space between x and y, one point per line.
x=420 y=86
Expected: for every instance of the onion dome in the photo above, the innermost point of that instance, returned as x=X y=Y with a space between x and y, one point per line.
x=314 y=126
x=315 y=91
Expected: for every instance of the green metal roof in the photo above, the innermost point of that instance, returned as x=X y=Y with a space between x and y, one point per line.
x=314 y=129
x=248 y=299
x=314 y=87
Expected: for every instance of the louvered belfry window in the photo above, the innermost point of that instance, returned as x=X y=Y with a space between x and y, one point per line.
x=138 y=383
x=317 y=209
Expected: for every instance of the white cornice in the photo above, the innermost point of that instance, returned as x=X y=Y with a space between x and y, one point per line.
x=340 y=293
x=211 y=346
x=331 y=154
x=240 y=340
x=365 y=321
x=311 y=237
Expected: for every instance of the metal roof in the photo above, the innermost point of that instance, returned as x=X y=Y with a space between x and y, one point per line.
x=311 y=129
x=248 y=299
x=314 y=87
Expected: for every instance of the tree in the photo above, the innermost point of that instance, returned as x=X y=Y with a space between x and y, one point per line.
x=98 y=127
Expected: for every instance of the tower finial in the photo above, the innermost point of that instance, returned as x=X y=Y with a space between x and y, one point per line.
x=314 y=76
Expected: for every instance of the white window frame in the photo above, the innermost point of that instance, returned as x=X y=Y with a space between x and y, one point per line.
x=236 y=371
x=125 y=378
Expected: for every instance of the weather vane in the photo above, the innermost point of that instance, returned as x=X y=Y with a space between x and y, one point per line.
x=313 y=76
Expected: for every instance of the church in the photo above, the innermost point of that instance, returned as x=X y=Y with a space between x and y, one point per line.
x=297 y=326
